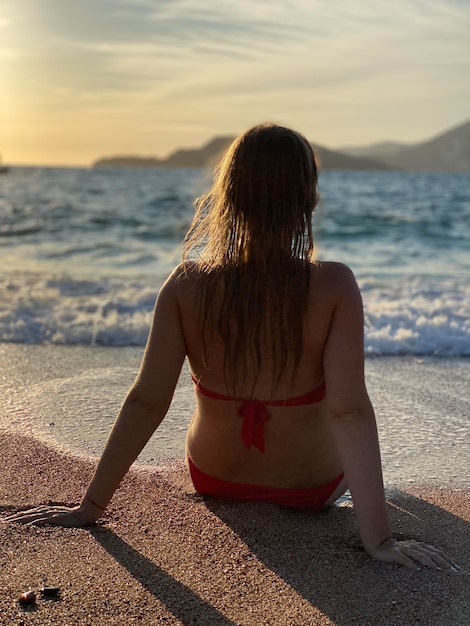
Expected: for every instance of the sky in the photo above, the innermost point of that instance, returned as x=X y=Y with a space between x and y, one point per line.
x=92 y=78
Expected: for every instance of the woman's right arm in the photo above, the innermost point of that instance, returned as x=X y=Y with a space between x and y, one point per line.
x=353 y=424
x=143 y=410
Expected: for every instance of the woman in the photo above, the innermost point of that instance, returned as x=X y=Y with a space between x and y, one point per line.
x=275 y=346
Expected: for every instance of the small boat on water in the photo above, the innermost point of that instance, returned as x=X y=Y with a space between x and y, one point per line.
x=3 y=168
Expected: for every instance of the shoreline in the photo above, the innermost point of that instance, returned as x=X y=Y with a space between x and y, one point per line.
x=69 y=396
x=164 y=555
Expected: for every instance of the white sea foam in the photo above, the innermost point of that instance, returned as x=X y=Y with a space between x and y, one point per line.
x=417 y=316
x=407 y=316
x=65 y=311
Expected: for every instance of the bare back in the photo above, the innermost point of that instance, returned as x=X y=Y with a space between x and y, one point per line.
x=300 y=450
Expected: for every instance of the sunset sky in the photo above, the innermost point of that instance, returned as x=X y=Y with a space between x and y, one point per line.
x=80 y=80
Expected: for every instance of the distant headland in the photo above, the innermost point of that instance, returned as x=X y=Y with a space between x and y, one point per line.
x=448 y=152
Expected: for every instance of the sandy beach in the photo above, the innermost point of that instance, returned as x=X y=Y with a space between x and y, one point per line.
x=163 y=555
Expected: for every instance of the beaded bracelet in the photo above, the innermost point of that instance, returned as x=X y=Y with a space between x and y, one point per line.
x=102 y=508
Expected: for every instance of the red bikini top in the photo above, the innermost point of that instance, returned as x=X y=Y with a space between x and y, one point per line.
x=255 y=413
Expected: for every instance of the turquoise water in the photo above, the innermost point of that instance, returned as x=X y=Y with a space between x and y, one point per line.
x=84 y=252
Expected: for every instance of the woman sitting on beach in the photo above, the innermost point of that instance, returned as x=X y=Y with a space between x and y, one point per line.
x=274 y=341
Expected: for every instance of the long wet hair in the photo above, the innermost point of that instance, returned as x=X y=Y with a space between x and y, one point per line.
x=252 y=235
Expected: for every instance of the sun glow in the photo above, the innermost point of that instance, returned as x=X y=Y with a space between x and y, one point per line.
x=84 y=80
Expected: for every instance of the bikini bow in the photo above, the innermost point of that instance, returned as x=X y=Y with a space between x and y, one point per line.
x=255 y=415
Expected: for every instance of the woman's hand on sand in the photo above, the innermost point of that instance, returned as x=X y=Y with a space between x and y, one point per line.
x=53 y=516
x=413 y=555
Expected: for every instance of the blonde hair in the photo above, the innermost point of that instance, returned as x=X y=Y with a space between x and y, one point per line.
x=252 y=235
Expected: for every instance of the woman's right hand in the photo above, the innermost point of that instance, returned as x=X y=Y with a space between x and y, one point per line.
x=69 y=517
x=413 y=555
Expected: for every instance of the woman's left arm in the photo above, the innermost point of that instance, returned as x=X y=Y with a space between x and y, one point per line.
x=142 y=412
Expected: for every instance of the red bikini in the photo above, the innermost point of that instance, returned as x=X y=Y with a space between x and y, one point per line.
x=255 y=414
x=310 y=500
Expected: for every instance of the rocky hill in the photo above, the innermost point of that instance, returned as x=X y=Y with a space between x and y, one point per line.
x=448 y=152
x=376 y=150
x=333 y=160
x=208 y=155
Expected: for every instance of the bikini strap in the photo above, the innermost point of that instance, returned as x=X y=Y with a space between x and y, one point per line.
x=207 y=392
x=311 y=397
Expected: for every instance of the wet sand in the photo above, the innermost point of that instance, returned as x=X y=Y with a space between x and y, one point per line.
x=68 y=397
x=163 y=555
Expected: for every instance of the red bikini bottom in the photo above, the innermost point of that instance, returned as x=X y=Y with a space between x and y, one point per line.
x=311 y=500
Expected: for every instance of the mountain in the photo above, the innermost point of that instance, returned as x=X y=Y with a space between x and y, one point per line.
x=448 y=152
x=199 y=157
x=376 y=150
x=333 y=160
x=208 y=155
x=128 y=161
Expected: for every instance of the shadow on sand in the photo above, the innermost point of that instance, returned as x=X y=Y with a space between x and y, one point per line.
x=321 y=559
x=182 y=602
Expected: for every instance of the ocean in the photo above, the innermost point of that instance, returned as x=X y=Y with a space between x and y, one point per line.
x=84 y=251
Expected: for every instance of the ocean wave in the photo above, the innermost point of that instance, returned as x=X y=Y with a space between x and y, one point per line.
x=417 y=316
x=407 y=316
x=65 y=311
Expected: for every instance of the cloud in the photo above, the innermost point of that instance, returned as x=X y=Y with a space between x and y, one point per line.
x=132 y=33
x=213 y=65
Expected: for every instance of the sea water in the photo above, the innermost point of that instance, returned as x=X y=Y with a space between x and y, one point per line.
x=83 y=253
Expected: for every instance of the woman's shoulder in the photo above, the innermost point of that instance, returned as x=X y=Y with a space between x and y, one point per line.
x=183 y=272
x=334 y=275
x=183 y=279
x=329 y=276
x=333 y=283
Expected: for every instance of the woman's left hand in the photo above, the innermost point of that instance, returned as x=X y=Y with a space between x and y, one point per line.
x=413 y=555
x=51 y=515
